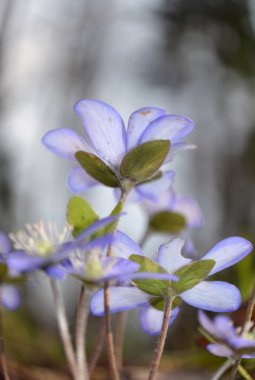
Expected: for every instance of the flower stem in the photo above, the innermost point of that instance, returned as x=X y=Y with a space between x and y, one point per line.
x=2 y=351
x=247 y=319
x=225 y=366
x=119 y=337
x=63 y=327
x=161 y=341
x=81 y=325
x=98 y=347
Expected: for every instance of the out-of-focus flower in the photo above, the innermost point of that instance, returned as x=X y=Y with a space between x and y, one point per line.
x=9 y=295
x=217 y=296
x=39 y=247
x=107 y=138
x=229 y=341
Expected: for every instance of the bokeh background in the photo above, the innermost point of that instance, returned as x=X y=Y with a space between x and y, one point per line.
x=195 y=58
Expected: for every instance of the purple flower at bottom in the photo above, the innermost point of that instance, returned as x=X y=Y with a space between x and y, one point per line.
x=217 y=296
x=107 y=138
x=9 y=295
x=229 y=343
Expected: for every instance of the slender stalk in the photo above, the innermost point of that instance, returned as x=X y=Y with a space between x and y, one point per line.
x=161 y=341
x=145 y=237
x=119 y=337
x=98 y=348
x=80 y=334
x=225 y=366
x=4 y=367
x=234 y=369
x=108 y=328
x=109 y=335
x=247 y=319
x=63 y=327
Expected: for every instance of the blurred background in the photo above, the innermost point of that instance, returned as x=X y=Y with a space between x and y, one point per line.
x=195 y=58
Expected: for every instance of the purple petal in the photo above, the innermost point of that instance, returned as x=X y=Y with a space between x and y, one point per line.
x=221 y=327
x=104 y=128
x=228 y=252
x=9 y=297
x=59 y=272
x=139 y=121
x=170 y=257
x=19 y=262
x=5 y=244
x=97 y=226
x=78 y=180
x=65 y=142
x=114 y=267
x=123 y=246
x=219 y=350
x=177 y=148
x=168 y=127
x=152 y=319
x=189 y=208
x=151 y=190
x=214 y=296
x=121 y=298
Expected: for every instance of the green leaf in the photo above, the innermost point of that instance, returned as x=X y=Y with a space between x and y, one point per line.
x=143 y=161
x=97 y=169
x=153 y=286
x=159 y=303
x=192 y=274
x=80 y=214
x=168 y=222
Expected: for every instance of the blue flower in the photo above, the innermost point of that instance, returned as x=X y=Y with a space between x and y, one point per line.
x=107 y=138
x=9 y=295
x=229 y=342
x=217 y=296
x=39 y=247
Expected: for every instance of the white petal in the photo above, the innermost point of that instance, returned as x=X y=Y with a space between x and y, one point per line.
x=104 y=128
x=170 y=257
x=214 y=296
x=139 y=121
x=168 y=127
x=152 y=319
x=121 y=298
x=65 y=142
x=78 y=180
x=228 y=252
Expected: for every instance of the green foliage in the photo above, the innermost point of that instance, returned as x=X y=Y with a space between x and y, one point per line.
x=159 y=302
x=80 y=214
x=245 y=275
x=168 y=222
x=154 y=286
x=97 y=169
x=192 y=274
x=143 y=161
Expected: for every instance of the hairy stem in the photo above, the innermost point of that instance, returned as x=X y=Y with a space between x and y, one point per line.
x=248 y=318
x=63 y=327
x=109 y=335
x=119 y=337
x=2 y=351
x=80 y=334
x=98 y=348
x=161 y=341
x=225 y=366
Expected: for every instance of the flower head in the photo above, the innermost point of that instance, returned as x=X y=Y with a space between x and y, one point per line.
x=229 y=342
x=107 y=142
x=192 y=287
x=40 y=247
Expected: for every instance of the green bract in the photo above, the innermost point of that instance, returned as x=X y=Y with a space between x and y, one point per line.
x=97 y=169
x=154 y=287
x=80 y=214
x=143 y=161
x=192 y=274
x=168 y=222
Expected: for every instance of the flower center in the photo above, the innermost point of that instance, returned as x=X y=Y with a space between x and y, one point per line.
x=38 y=239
